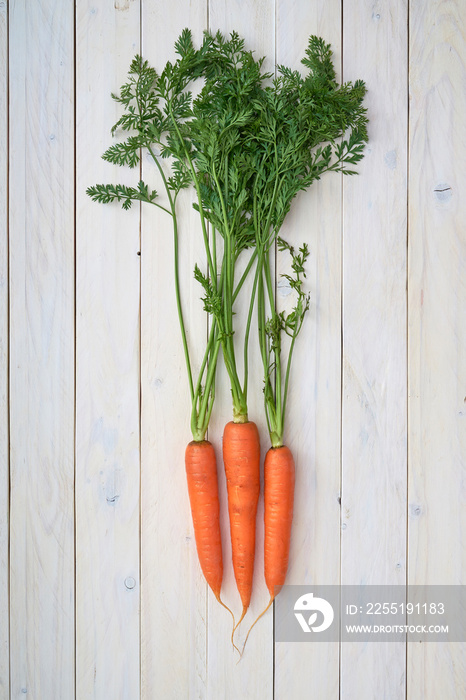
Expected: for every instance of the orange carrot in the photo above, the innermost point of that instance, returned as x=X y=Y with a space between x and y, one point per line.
x=279 y=477
x=241 y=456
x=201 y=472
x=279 y=480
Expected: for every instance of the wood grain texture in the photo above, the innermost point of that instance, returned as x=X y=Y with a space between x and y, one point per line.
x=4 y=401
x=313 y=415
x=41 y=206
x=379 y=424
x=437 y=331
x=374 y=421
x=107 y=370
x=174 y=592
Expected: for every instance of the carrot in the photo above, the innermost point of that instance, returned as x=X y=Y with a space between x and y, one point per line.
x=246 y=169
x=201 y=473
x=279 y=478
x=279 y=481
x=241 y=456
x=279 y=469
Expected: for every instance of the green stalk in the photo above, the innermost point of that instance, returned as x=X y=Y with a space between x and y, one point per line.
x=204 y=362
x=214 y=256
x=261 y=321
x=248 y=327
x=244 y=275
x=269 y=400
x=239 y=399
x=177 y=276
x=206 y=406
x=277 y=433
x=200 y=421
x=200 y=418
x=198 y=192
x=288 y=366
x=179 y=309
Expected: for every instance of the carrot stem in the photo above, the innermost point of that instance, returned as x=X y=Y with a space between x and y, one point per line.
x=248 y=328
x=177 y=274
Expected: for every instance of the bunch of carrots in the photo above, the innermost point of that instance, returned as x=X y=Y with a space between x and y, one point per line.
x=247 y=143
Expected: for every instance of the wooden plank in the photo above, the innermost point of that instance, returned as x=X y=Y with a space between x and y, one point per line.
x=107 y=371
x=437 y=333
x=41 y=209
x=374 y=422
x=253 y=676
x=4 y=437
x=173 y=605
x=313 y=414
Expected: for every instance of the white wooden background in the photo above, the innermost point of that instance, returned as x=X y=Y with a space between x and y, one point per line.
x=100 y=591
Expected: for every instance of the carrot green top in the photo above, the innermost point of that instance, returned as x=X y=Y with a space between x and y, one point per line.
x=247 y=144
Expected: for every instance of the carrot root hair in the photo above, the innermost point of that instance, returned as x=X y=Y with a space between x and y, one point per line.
x=272 y=598
x=234 y=623
x=243 y=613
x=225 y=606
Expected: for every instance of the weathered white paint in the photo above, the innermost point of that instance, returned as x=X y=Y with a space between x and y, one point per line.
x=107 y=370
x=437 y=329
x=145 y=624
x=315 y=386
x=41 y=236
x=374 y=422
x=174 y=595
x=4 y=463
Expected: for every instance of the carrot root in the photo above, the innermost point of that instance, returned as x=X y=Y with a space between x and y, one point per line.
x=201 y=473
x=279 y=480
x=241 y=456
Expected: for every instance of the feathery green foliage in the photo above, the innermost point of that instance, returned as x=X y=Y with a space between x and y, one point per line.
x=307 y=126
x=155 y=109
x=248 y=143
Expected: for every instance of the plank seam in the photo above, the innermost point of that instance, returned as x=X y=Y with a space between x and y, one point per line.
x=408 y=140
x=75 y=325
x=140 y=399
x=341 y=354
x=8 y=378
